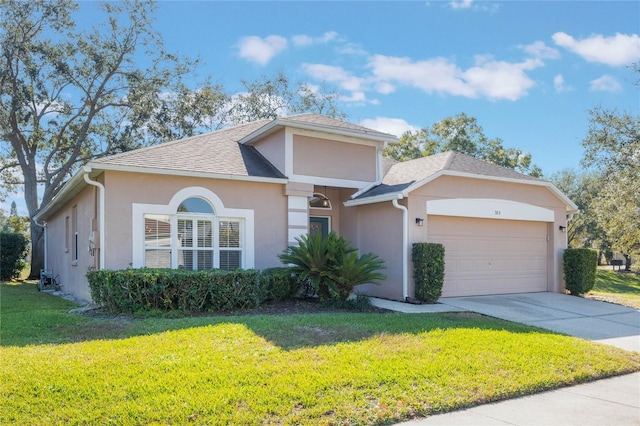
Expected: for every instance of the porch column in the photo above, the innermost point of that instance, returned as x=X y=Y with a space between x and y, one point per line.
x=298 y=210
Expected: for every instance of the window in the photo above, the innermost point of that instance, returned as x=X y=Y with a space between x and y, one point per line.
x=74 y=233
x=193 y=238
x=67 y=230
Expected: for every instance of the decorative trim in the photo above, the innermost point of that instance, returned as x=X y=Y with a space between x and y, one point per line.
x=489 y=208
x=220 y=211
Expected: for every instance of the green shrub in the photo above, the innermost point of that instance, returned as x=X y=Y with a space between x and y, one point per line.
x=428 y=270
x=12 y=254
x=580 y=266
x=331 y=265
x=133 y=290
x=278 y=283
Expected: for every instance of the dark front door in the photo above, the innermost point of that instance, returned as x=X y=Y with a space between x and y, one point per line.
x=319 y=225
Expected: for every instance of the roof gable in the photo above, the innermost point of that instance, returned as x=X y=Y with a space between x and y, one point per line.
x=404 y=177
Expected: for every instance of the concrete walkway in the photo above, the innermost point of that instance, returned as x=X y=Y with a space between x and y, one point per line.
x=614 y=401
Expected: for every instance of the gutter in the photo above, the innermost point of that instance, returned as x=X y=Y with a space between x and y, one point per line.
x=87 y=170
x=405 y=241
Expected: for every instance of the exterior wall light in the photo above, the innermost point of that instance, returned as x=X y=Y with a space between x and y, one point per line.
x=419 y=221
x=563 y=228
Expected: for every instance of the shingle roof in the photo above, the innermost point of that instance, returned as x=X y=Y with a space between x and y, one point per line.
x=322 y=120
x=220 y=153
x=217 y=152
x=403 y=174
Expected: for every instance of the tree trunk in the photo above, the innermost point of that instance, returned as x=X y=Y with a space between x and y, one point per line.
x=37 y=251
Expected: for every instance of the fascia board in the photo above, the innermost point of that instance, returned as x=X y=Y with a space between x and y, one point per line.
x=371 y=200
x=187 y=173
x=380 y=137
x=68 y=191
x=571 y=207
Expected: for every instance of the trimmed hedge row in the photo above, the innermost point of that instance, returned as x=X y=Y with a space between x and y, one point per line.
x=14 y=250
x=135 y=290
x=580 y=265
x=428 y=270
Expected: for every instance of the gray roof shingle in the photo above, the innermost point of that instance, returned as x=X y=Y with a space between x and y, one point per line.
x=217 y=152
x=403 y=174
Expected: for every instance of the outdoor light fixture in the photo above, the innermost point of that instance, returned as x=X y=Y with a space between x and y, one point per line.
x=419 y=221
x=563 y=228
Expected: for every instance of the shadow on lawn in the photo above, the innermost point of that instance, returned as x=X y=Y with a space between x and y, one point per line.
x=33 y=318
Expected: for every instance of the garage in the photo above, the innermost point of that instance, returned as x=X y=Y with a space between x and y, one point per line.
x=491 y=256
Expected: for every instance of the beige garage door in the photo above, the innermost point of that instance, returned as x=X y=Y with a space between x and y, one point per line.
x=485 y=256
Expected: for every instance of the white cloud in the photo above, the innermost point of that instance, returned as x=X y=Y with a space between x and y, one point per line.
x=333 y=74
x=493 y=79
x=302 y=40
x=394 y=126
x=558 y=84
x=261 y=50
x=483 y=6
x=305 y=40
x=606 y=83
x=617 y=50
x=461 y=4
x=540 y=50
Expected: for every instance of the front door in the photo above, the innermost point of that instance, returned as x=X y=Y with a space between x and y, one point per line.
x=319 y=225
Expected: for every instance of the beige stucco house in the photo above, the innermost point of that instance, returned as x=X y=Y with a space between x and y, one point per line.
x=238 y=197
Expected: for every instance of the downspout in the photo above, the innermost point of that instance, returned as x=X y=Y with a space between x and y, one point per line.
x=405 y=241
x=100 y=187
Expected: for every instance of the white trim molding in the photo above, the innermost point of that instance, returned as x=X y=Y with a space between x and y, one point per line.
x=489 y=208
x=139 y=210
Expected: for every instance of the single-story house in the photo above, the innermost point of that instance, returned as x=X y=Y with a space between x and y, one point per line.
x=239 y=196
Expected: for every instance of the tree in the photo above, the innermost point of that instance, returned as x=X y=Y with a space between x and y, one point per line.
x=583 y=189
x=66 y=95
x=15 y=223
x=612 y=147
x=462 y=134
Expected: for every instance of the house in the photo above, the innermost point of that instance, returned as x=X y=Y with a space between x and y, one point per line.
x=238 y=197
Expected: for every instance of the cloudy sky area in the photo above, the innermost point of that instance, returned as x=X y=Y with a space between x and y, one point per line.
x=528 y=71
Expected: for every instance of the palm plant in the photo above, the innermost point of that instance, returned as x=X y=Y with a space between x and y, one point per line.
x=331 y=265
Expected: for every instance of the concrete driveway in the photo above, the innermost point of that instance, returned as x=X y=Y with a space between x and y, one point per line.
x=590 y=319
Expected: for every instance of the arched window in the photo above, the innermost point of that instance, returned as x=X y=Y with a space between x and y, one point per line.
x=193 y=237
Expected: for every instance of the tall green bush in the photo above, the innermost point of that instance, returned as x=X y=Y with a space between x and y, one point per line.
x=13 y=251
x=580 y=265
x=331 y=265
x=278 y=283
x=428 y=270
x=133 y=290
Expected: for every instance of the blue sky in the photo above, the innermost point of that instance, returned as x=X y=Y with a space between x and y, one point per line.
x=528 y=71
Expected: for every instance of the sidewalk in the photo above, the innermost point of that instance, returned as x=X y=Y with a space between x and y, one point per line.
x=612 y=401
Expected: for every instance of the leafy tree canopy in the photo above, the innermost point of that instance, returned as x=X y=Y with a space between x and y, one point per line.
x=612 y=147
x=462 y=134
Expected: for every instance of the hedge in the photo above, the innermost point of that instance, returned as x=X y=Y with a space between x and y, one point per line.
x=133 y=290
x=12 y=254
x=580 y=266
x=428 y=270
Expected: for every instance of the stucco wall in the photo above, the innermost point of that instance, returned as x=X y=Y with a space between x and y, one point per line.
x=333 y=159
x=122 y=189
x=459 y=187
x=380 y=232
x=71 y=275
x=272 y=147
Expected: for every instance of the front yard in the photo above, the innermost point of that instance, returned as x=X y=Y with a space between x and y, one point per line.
x=616 y=287
x=337 y=368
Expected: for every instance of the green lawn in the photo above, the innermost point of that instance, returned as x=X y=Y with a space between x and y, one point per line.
x=293 y=369
x=617 y=287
